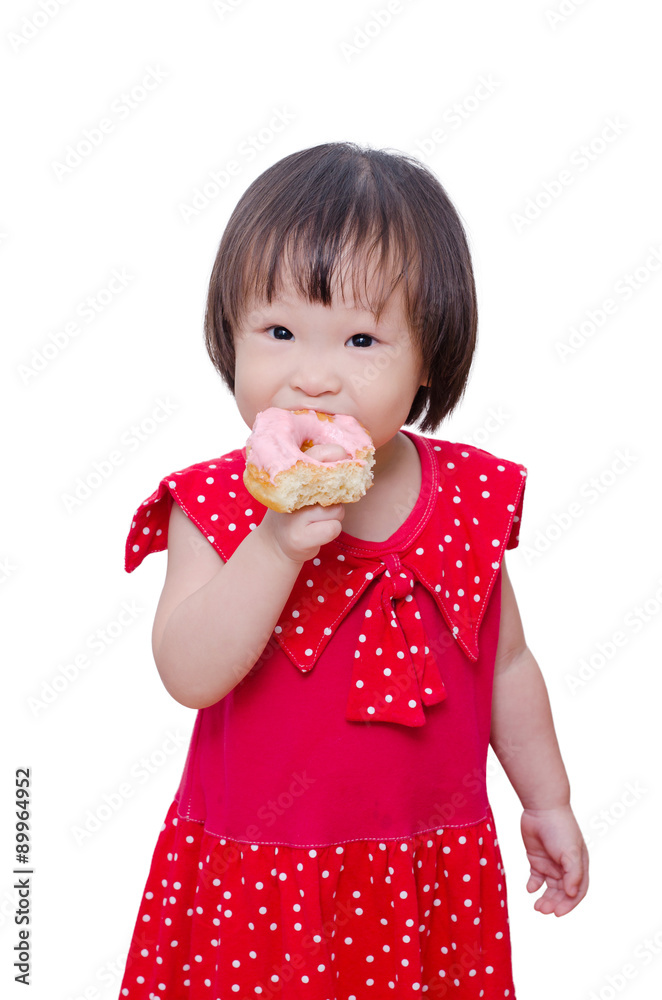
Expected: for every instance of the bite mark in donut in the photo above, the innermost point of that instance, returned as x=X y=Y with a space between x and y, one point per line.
x=279 y=476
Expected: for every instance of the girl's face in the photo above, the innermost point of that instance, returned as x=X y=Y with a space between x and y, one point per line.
x=294 y=355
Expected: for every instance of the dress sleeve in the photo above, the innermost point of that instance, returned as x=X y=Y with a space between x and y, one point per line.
x=213 y=497
x=149 y=527
x=513 y=540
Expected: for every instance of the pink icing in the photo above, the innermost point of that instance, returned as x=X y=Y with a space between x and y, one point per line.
x=275 y=441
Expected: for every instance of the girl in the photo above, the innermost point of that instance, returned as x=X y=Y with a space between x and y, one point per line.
x=331 y=836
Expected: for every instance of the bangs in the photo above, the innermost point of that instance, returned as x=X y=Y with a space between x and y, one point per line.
x=361 y=267
x=351 y=223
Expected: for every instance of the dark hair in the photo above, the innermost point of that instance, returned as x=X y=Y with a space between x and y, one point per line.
x=312 y=208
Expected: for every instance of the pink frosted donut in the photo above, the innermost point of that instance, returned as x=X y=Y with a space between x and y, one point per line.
x=279 y=475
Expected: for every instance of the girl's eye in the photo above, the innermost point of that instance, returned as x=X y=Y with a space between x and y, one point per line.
x=279 y=330
x=282 y=333
x=364 y=336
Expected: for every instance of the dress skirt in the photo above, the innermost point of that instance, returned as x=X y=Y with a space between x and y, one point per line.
x=397 y=917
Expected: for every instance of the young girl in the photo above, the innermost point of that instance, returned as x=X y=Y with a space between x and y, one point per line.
x=331 y=836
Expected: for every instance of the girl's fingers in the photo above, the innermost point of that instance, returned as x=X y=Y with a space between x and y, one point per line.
x=571 y=882
x=552 y=901
x=535 y=881
x=561 y=895
x=576 y=872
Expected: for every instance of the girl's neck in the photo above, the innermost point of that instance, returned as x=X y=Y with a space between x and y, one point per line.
x=391 y=455
x=396 y=487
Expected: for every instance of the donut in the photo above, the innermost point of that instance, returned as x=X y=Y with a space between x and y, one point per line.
x=279 y=475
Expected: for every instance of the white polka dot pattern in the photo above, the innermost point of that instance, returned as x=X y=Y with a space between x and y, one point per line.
x=454 y=550
x=394 y=671
x=393 y=918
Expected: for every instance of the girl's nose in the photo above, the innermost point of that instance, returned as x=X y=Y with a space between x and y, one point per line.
x=314 y=374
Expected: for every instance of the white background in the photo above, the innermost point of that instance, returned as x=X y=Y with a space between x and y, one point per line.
x=555 y=81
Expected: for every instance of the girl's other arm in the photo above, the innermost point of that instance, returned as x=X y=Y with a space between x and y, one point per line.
x=524 y=740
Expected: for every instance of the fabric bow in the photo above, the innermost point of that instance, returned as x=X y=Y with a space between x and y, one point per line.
x=394 y=672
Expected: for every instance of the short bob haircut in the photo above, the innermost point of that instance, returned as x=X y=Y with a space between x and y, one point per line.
x=320 y=208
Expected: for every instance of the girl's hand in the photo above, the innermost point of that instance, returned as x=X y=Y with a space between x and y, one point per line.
x=299 y=536
x=557 y=855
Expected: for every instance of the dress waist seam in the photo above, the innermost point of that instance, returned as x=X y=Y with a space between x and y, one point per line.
x=438 y=828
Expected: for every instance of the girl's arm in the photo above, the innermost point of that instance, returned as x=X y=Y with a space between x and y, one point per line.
x=524 y=740
x=214 y=619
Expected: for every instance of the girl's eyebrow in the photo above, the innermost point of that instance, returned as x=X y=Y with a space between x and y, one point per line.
x=259 y=314
x=358 y=325
x=267 y=310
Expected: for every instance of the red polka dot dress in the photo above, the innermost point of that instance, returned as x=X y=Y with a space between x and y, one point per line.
x=331 y=836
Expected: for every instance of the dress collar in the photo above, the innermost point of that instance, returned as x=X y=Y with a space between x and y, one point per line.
x=452 y=543
x=414 y=516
